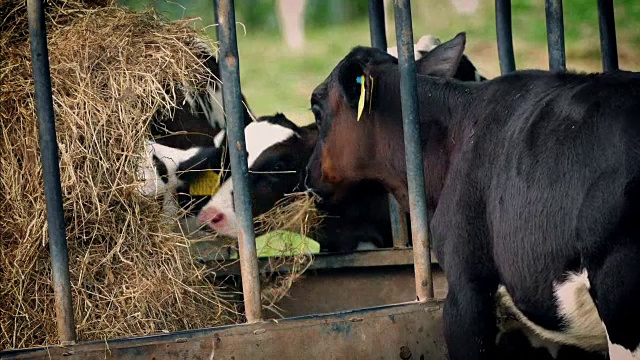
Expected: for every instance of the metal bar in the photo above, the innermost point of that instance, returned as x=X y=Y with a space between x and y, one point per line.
x=324 y=336
x=413 y=150
x=376 y=24
x=383 y=258
x=379 y=40
x=399 y=229
x=504 y=36
x=232 y=100
x=51 y=173
x=555 y=35
x=608 y=43
x=215 y=19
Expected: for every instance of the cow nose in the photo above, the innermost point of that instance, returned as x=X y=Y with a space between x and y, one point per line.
x=217 y=218
x=211 y=216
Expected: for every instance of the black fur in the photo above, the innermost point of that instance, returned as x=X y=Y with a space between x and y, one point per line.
x=532 y=175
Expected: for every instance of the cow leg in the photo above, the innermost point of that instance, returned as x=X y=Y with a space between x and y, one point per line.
x=470 y=326
x=617 y=297
x=470 y=320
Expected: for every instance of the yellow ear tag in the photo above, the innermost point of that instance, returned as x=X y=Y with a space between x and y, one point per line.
x=360 y=80
x=206 y=185
x=370 y=94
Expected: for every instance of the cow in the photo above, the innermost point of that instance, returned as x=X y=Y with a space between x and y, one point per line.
x=187 y=141
x=166 y=170
x=199 y=118
x=360 y=220
x=533 y=189
x=466 y=70
x=278 y=152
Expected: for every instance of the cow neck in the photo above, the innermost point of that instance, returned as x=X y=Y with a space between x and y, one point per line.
x=441 y=108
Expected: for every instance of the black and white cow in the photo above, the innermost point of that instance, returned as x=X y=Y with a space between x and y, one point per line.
x=533 y=183
x=167 y=170
x=274 y=144
x=189 y=140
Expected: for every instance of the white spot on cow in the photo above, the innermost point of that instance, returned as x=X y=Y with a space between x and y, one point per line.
x=209 y=104
x=219 y=213
x=425 y=44
x=366 y=245
x=217 y=140
x=171 y=158
x=261 y=135
x=583 y=328
x=619 y=352
x=152 y=184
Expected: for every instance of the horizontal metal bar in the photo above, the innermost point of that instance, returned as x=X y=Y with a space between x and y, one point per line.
x=504 y=36
x=555 y=35
x=51 y=172
x=413 y=150
x=608 y=43
x=324 y=261
x=232 y=100
x=326 y=336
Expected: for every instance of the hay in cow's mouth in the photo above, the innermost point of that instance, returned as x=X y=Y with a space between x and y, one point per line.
x=111 y=69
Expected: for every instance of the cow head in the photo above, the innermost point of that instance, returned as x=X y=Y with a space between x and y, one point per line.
x=278 y=152
x=165 y=170
x=347 y=146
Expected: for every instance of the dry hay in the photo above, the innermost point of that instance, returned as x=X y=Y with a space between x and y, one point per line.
x=130 y=274
x=297 y=214
x=290 y=222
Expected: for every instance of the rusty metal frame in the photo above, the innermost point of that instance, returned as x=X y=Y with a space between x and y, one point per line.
x=51 y=172
x=411 y=330
x=232 y=103
x=399 y=230
x=413 y=150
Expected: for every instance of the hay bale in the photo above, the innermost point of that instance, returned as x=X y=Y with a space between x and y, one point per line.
x=111 y=70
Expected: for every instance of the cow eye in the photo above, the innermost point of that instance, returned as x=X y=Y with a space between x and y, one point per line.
x=317 y=114
x=279 y=166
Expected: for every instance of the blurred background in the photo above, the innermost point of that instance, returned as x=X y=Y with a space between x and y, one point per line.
x=287 y=47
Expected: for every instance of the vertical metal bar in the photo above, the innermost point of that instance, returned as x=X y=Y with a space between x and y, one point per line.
x=413 y=150
x=376 y=24
x=215 y=19
x=51 y=173
x=399 y=229
x=505 y=39
x=232 y=100
x=379 y=41
x=555 y=35
x=608 y=43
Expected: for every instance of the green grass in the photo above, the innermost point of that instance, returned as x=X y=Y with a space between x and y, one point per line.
x=275 y=80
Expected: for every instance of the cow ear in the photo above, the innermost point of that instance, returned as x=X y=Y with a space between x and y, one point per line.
x=444 y=59
x=206 y=158
x=349 y=81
